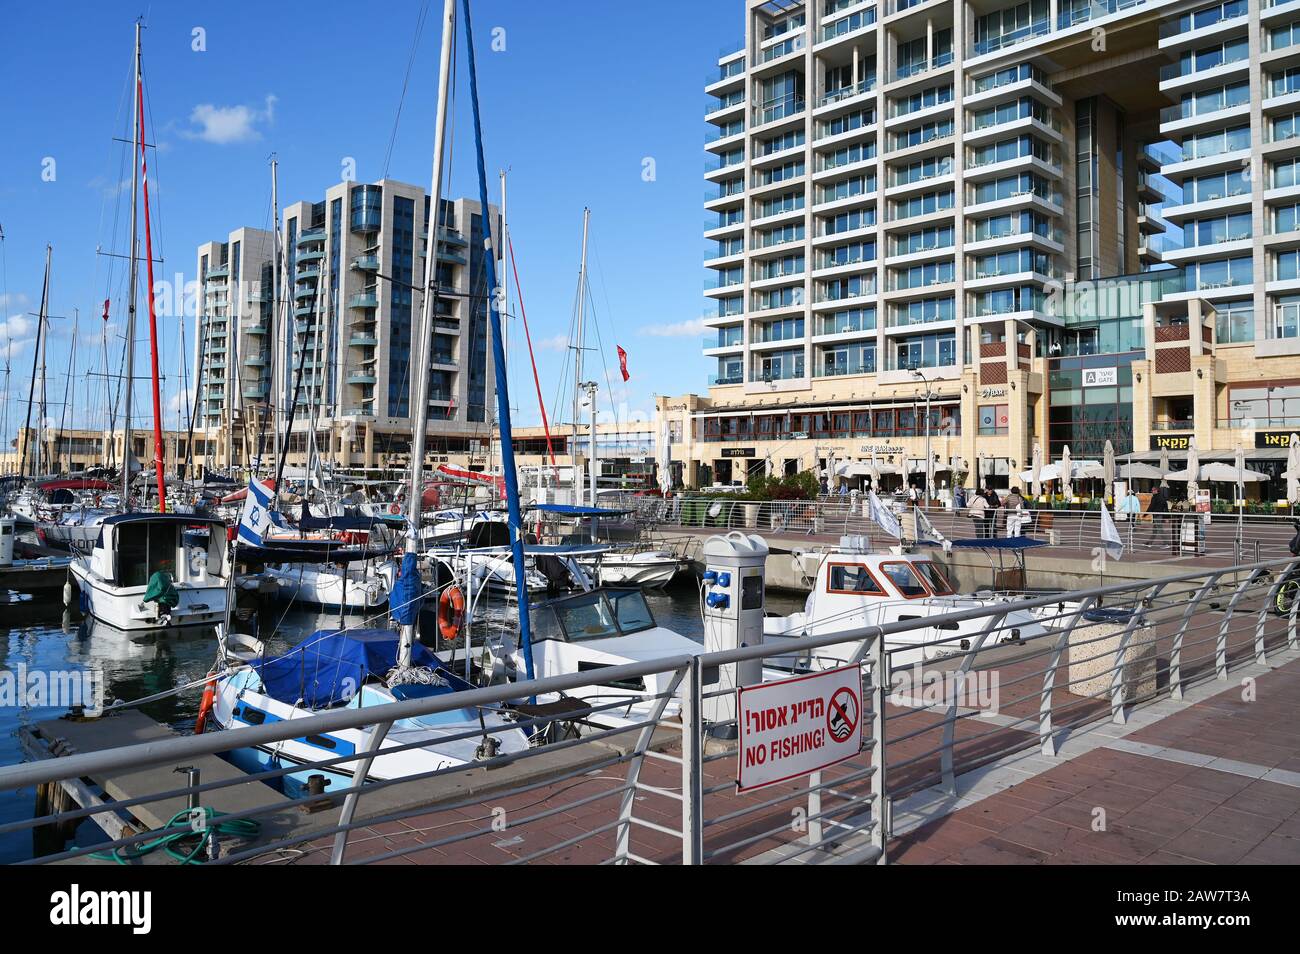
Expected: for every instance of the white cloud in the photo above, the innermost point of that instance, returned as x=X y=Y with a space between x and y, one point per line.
x=680 y=329
x=227 y=124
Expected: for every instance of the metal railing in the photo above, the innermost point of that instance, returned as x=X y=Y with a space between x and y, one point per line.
x=1231 y=535
x=654 y=784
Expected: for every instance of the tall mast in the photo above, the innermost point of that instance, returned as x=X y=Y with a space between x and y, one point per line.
x=427 y=297
x=31 y=388
x=153 y=311
x=132 y=281
x=275 y=321
x=577 y=358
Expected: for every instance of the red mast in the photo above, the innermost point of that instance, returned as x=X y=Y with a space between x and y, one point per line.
x=153 y=315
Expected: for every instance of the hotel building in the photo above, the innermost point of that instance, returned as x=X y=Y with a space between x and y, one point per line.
x=1062 y=221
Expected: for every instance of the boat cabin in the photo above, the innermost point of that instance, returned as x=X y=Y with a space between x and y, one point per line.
x=133 y=546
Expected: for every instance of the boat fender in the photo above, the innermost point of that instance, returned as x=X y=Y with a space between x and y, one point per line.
x=67 y=594
x=394 y=509
x=205 y=705
x=451 y=613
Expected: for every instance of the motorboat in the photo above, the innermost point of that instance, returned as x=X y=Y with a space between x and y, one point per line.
x=856 y=589
x=136 y=553
x=361 y=585
x=649 y=569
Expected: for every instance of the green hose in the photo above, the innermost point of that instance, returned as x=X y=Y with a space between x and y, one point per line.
x=189 y=847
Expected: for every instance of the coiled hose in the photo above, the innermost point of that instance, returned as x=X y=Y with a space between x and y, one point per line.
x=189 y=847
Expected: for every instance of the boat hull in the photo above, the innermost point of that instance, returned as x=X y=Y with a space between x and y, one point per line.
x=122 y=607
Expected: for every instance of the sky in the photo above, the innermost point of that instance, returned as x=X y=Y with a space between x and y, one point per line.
x=595 y=103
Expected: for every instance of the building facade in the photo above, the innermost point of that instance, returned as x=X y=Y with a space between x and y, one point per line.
x=1061 y=222
x=340 y=353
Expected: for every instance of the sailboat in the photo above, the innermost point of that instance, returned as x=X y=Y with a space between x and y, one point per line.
x=149 y=571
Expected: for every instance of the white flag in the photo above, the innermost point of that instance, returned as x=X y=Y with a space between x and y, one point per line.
x=257 y=516
x=883 y=516
x=927 y=533
x=1110 y=538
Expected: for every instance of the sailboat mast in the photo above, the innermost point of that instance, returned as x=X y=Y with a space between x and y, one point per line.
x=275 y=326
x=153 y=311
x=423 y=337
x=132 y=282
x=36 y=357
x=577 y=358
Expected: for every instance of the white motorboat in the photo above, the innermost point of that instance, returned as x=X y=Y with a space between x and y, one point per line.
x=649 y=569
x=855 y=590
x=358 y=586
x=132 y=548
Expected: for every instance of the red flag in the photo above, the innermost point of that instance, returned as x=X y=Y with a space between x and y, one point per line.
x=622 y=362
x=106 y=309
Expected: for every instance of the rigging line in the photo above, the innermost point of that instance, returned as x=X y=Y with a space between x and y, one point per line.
x=609 y=311
x=406 y=79
x=537 y=381
x=604 y=363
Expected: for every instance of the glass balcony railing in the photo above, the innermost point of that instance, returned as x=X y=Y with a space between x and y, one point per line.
x=847 y=92
x=792 y=45
x=839 y=368
x=1012 y=38
x=859 y=21
x=1084 y=11
x=734 y=377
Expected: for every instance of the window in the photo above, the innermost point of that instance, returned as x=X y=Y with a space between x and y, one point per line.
x=905 y=579
x=934 y=577
x=852 y=578
x=1234 y=321
x=994 y=418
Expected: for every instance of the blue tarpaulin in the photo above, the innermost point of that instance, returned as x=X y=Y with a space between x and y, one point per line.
x=569 y=510
x=404 y=601
x=330 y=666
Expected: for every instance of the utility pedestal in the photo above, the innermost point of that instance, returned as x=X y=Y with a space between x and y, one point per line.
x=733 y=617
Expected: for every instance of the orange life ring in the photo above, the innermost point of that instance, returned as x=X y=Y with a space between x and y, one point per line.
x=394 y=509
x=451 y=613
x=205 y=705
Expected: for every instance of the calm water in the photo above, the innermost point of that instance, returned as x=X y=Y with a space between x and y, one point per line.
x=35 y=634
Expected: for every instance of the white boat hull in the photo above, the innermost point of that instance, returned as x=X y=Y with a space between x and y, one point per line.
x=123 y=606
x=326 y=586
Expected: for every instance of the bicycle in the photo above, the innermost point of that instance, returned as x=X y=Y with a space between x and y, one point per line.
x=1290 y=586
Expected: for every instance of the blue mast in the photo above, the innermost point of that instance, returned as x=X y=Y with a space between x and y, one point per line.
x=499 y=365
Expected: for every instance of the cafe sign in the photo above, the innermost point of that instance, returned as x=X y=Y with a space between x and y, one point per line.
x=1273 y=438
x=986 y=393
x=881 y=449
x=1171 y=442
x=738 y=452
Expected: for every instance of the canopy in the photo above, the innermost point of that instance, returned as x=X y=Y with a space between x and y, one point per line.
x=1078 y=468
x=1000 y=543
x=569 y=510
x=330 y=666
x=309 y=521
x=1220 y=473
x=1140 y=472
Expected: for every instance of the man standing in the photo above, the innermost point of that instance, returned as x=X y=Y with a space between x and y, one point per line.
x=1161 y=518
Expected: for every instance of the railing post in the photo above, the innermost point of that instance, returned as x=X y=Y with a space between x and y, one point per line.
x=1261 y=654
x=946 y=768
x=1046 y=735
x=1221 y=641
x=880 y=808
x=623 y=839
x=814 y=809
x=1176 y=651
x=359 y=774
x=1117 y=673
x=692 y=767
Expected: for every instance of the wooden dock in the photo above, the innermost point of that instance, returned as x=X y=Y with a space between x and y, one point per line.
x=35 y=576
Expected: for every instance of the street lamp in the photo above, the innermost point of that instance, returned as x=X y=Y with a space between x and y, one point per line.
x=929 y=460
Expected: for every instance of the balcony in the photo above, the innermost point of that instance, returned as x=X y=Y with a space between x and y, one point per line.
x=363 y=341
x=364 y=300
x=783 y=108
x=360 y=378
x=717 y=380
x=309 y=236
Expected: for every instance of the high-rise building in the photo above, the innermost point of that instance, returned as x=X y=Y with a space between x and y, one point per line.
x=340 y=355
x=1065 y=221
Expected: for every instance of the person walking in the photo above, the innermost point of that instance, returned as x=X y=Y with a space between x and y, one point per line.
x=1161 y=519
x=1016 y=517
x=979 y=508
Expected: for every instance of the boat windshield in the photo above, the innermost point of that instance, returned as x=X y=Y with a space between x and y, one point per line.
x=934 y=577
x=602 y=613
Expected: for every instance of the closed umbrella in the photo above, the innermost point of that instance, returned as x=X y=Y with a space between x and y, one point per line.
x=1193 y=469
x=875 y=472
x=929 y=478
x=665 y=460
x=1164 y=466
x=1108 y=469
x=1067 y=487
x=1293 y=469
x=1036 y=471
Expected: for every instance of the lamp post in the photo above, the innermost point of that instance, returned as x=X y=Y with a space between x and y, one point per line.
x=929 y=460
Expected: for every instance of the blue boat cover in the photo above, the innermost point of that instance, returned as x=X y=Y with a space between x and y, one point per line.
x=330 y=665
x=1001 y=543
x=569 y=510
x=309 y=521
x=404 y=601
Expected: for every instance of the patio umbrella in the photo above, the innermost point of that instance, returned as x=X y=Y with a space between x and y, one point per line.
x=1223 y=473
x=979 y=470
x=1067 y=488
x=1108 y=469
x=1193 y=469
x=1164 y=466
x=929 y=476
x=665 y=460
x=875 y=471
x=1036 y=471
x=1140 y=472
x=1292 y=473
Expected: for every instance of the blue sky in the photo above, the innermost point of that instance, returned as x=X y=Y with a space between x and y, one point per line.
x=582 y=94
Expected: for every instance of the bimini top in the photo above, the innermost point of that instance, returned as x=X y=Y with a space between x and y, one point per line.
x=331 y=665
x=74 y=483
x=570 y=510
x=1000 y=543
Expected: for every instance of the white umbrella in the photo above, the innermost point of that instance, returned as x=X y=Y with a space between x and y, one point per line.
x=875 y=471
x=1108 y=469
x=1140 y=471
x=665 y=461
x=1193 y=468
x=1292 y=473
x=1067 y=490
x=929 y=477
x=1224 y=473
x=1164 y=466
x=1035 y=470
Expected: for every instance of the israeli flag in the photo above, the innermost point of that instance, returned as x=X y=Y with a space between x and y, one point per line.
x=883 y=516
x=258 y=515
